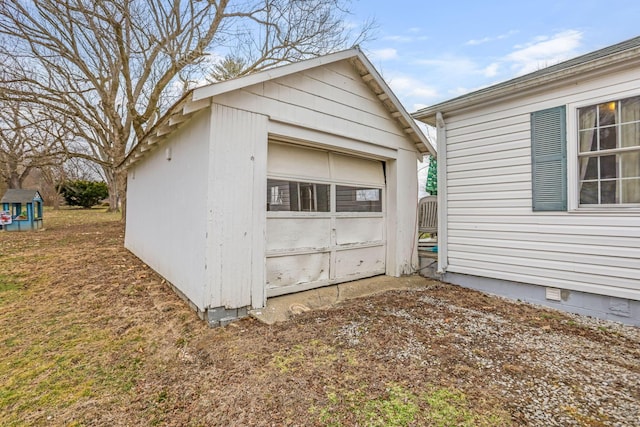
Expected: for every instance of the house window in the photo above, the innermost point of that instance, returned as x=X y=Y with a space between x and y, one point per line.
x=297 y=196
x=609 y=153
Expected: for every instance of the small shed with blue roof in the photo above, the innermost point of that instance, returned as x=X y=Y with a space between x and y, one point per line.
x=21 y=210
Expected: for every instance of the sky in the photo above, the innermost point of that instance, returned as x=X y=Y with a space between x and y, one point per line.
x=431 y=51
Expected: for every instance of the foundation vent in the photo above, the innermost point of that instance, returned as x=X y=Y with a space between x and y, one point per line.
x=553 y=294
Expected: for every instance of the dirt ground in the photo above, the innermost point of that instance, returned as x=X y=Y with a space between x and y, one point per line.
x=91 y=336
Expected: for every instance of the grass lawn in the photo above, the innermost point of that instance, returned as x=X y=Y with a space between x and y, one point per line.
x=92 y=336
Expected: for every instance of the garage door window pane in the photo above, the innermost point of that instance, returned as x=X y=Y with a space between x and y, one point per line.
x=291 y=196
x=358 y=199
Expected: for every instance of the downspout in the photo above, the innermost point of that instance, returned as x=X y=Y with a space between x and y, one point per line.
x=441 y=134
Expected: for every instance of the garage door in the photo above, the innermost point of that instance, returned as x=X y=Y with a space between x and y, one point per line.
x=325 y=218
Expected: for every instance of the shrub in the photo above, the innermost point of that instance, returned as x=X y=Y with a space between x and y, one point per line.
x=84 y=193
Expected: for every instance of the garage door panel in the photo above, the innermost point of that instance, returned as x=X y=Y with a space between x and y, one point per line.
x=359 y=230
x=290 y=160
x=360 y=262
x=298 y=233
x=325 y=218
x=295 y=269
x=355 y=169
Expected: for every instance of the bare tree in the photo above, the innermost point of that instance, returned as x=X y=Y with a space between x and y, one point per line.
x=28 y=141
x=112 y=66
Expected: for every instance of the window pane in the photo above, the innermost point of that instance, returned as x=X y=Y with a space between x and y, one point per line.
x=608 y=167
x=589 y=168
x=630 y=109
x=290 y=196
x=630 y=165
x=614 y=126
x=324 y=197
x=587 y=117
x=607 y=114
x=631 y=191
x=278 y=195
x=358 y=199
x=588 y=141
x=313 y=197
x=307 y=197
x=630 y=135
x=608 y=138
x=608 y=194
x=589 y=193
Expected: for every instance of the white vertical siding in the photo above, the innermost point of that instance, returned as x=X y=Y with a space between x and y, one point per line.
x=237 y=208
x=492 y=229
x=402 y=223
x=166 y=209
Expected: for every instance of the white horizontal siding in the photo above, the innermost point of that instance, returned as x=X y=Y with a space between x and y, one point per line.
x=475 y=173
x=599 y=255
x=596 y=275
x=495 y=165
x=623 y=226
x=492 y=229
x=332 y=98
x=487 y=197
x=507 y=153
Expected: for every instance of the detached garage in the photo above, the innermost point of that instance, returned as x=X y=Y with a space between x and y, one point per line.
x=282 y=181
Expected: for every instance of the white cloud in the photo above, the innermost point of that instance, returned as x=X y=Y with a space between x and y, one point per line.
x=483 y=40
x=474 y=42
x=409 y=87
x=404 y=39
x=450 y=64
x=419 y=106
x=491 y=70
x=398 y=39
x=459 y=91
x=384 y=54
x=544 y=51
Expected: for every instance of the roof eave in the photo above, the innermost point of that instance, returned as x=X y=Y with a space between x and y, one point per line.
x=384 y=93
x=535 y=84
x=200 y=98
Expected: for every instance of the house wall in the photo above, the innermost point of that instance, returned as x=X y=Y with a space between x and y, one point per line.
x=167 y=210
x=492 y=230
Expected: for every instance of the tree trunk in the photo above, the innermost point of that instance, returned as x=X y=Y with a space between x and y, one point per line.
x=14 y=181
x=114 y=189
x=123 y=194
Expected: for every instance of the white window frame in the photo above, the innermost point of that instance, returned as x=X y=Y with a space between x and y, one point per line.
x=332 y=199
x=573 y=182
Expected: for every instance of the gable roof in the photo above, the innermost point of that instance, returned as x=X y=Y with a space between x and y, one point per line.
x=199 y=98
x=618 y=56
x=20 y=196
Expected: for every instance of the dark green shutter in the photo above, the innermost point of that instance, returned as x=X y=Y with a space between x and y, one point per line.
x=549 y=159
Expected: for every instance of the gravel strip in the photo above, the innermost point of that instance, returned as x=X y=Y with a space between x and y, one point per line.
x=551 y=378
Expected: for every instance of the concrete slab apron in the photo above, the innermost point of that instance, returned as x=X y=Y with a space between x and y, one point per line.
x=279 y=309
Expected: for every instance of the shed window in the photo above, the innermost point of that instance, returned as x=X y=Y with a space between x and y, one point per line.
x=297 y=196
x=358 y=199
x=609 y=152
